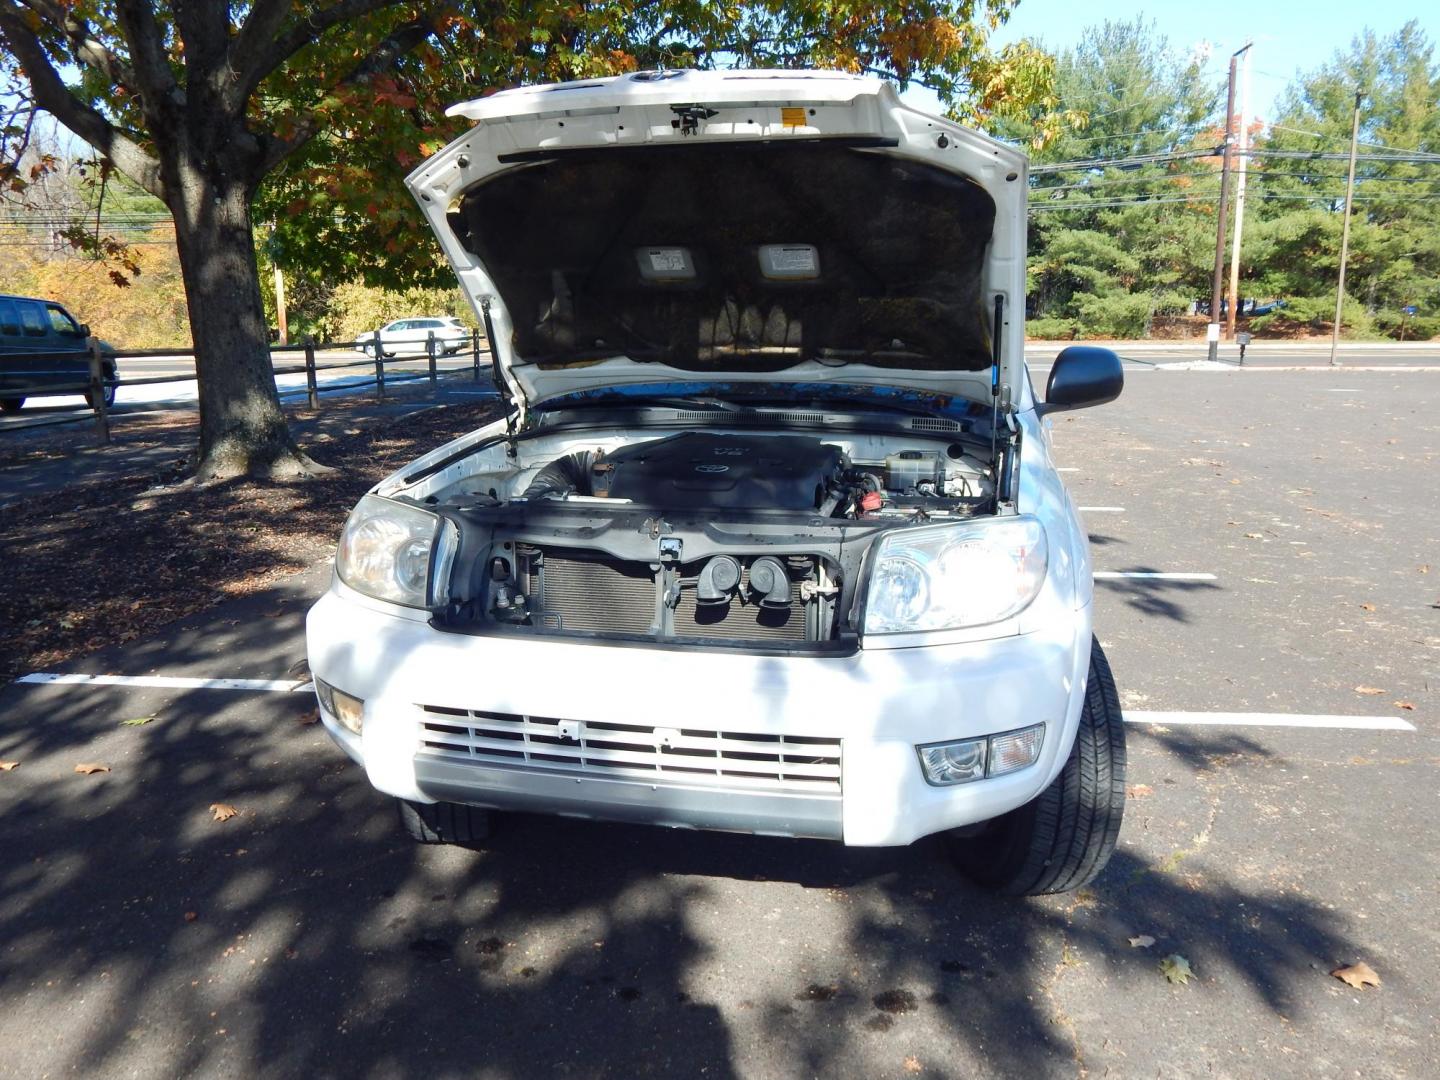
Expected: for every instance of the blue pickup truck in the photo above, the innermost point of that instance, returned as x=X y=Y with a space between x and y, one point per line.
x=43 y=352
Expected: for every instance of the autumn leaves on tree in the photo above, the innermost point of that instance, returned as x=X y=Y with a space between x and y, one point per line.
x=309 y=119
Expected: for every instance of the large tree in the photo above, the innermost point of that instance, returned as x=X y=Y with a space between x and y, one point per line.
x=205 y=103
x=1117 y=242
x=1293 y=248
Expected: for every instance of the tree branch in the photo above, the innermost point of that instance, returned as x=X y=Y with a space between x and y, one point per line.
x=384 y=55
x=86 y=47
x=147 y=56
x=84 y=120
x=261 y=48
x=204 y=31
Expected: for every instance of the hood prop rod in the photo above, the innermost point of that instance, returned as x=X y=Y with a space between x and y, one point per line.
x=995 y=347
x=499 y=376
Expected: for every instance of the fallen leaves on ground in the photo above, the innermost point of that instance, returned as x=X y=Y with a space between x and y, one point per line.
x=91 y=767
x=311 y=717
x=1139 y=791
x=191 y=916
x=1359 y=975
x=1410 y=705
x=1368 y=690
x=186 y=549
x=1177 y=969
x=912 y=1064
x=222 y=811
x=138 y=721
x=6 y=766
x=1367 y=607
x=1141 y=941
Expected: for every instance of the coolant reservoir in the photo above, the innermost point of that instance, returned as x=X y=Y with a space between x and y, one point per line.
x=909 y=469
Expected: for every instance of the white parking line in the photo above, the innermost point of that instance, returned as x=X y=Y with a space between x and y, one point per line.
x=1102 y=509
x=1070 y=468
x=1111 y=575
x=1132 y=716
x=170 y=682
x=1250 y=719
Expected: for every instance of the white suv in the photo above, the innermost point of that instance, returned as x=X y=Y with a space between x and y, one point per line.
x=409 y=337
x=769 y=539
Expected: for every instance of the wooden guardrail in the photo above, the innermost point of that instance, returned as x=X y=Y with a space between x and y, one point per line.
x=96 y=385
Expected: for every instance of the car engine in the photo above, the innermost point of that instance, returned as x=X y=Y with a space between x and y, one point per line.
x=703 y=539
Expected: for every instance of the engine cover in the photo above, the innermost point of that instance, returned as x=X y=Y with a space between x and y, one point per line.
x=697 y=470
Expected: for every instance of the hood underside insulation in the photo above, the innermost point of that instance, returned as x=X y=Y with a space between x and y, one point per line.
x=736 y=257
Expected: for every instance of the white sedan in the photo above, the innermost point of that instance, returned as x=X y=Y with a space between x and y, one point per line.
x=409 y=336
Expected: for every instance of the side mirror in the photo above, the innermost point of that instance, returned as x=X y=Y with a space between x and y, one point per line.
x=83 y=330
x=1083 y=375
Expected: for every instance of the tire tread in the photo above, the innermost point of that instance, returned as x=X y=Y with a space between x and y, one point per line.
x=1063 y=838
x=443 y=822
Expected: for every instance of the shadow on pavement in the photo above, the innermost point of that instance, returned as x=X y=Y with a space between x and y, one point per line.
x=1155 y=596
x=307 y=937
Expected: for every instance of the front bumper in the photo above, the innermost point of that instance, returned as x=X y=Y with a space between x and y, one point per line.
x=878 y=704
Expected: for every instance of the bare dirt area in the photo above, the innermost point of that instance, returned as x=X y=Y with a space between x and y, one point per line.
x=111 y=559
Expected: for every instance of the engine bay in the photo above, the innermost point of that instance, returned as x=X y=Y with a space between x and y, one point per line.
x=704 y=538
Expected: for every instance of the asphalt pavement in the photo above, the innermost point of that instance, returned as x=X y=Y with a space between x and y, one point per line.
x=1294 y=520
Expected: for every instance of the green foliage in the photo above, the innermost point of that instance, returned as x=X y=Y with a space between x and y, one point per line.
x=1050 y=329
x=1101 y=261
x=1113 y=248
x=1395 y=232
x=357 y=308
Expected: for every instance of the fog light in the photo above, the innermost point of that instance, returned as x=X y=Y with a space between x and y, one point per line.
x=1015 y=749
x=350 y=711
x=953 y=762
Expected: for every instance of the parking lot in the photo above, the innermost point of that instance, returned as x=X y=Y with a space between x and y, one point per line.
x=1268 y=543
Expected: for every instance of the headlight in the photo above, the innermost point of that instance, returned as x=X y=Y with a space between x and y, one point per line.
x=393 y=551
x=944 y=577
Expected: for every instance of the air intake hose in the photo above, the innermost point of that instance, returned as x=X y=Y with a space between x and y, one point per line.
x=568 y=475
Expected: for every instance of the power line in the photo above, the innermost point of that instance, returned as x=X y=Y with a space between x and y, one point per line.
x=1411 y=157
x=1082 y=205
x=1088 y=164
x=1085 y=164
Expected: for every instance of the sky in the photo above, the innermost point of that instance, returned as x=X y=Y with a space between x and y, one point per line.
x=1288 y=35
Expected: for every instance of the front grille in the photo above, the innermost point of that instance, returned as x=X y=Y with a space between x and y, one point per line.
x=693 y=756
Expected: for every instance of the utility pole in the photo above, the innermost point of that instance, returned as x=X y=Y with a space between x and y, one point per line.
x=1345 y=229
x=280 y=313
x=1212 y=332
x=281 y=319
x=1239 y=196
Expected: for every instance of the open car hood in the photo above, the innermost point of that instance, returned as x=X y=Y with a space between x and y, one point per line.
x=775 y=226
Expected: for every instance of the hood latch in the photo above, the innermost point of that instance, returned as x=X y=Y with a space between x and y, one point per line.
x=688 y=117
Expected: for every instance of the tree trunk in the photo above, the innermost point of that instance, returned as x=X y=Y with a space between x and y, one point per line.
x=243 y=431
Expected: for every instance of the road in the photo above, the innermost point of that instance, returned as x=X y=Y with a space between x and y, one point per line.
x=1267 y=354
x=305 y=937
x=182 y=394
x=136 y=400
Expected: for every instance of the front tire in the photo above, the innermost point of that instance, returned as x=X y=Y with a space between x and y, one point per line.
x=1063 y=838
x=444 y=823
